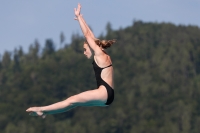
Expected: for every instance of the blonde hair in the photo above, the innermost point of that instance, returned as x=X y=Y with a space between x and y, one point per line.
x=105 y=43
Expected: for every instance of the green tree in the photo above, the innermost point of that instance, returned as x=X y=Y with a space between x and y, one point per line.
x=6 y=59
x=49 y=47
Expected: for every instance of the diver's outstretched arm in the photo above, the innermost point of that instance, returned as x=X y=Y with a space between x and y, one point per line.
x=87 y=32
x=88 y=28
x=78 y=12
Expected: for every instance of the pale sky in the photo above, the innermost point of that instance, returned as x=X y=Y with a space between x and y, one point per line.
x=22 y=21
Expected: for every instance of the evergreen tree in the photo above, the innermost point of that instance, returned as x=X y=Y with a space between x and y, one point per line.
x=6 y=60
x=62 y=38
x=49 y=47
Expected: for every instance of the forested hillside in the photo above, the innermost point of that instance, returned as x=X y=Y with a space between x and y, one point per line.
x=157 y=83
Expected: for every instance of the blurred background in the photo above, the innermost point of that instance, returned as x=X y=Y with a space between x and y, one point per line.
x=156 y=63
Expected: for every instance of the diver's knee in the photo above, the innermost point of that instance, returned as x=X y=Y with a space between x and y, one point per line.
x=72 y=100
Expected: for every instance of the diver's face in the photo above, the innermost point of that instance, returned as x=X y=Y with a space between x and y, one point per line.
x=87 y=52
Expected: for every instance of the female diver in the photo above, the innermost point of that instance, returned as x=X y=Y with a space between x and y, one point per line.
x=102 y=64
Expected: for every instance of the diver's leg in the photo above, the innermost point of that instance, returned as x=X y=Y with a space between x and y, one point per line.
x=97 y=97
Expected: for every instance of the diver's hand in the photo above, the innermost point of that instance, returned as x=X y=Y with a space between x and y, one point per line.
x=77 y=10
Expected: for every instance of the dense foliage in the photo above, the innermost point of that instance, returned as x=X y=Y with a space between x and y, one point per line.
x=157 y=74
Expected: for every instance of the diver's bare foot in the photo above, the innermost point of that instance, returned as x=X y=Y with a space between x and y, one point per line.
x=35 y=111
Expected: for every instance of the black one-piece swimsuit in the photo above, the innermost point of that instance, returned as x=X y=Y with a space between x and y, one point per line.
x=100 y=81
